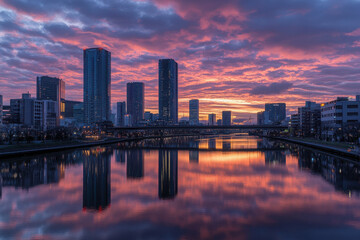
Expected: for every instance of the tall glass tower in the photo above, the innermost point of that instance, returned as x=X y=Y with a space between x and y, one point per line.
x=135 y=101
x=168 y=91
x=97 y=85
x=194 y=112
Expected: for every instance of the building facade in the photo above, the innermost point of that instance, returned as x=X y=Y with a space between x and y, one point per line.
x=120 y=113
x=337 y=115
x=135 y=101
x=34 y=113
x=168 y=91
x=226 y=118
x=276 y=111
x=212 y=119
x=69 y=108
x=52 y=88
x=1 y=109
x=97 y=85
x=194 y=112
x=309 y=120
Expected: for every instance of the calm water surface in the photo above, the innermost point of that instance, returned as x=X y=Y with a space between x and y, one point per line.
x=225 y=187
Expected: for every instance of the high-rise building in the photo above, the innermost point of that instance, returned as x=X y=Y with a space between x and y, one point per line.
x=194 y=112
x=168 y=91
x=1 y=109
x=212 y=119
x=168 y=174
x=121 y=112
x=97 y=85
x=52 y=88
x=276 y=111
x=135 y=101
x=226 y=118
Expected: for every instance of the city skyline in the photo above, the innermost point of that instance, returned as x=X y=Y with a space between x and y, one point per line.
x=252 y=52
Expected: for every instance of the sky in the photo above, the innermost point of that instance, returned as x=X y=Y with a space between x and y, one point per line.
x=232 y=54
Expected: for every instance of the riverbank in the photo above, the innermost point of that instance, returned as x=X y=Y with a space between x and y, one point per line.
x=26 y=149
x=340 y=150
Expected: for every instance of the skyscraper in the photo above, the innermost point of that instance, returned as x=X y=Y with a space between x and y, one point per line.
x=97 y=85
x=135 y=101
x=212 y=119
x=168 y=91
x=52 y=88
x=226 y=118
x=1 y=109
x=121 y=112
x=277 y=112
x=194 y=112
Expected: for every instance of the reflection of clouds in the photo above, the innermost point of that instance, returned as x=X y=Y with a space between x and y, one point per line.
x=239 y=197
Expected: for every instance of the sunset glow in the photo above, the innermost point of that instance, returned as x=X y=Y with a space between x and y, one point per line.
x=232 y=54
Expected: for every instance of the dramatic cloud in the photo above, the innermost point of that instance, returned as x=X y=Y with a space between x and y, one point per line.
x=232 y=54
x=273 y=88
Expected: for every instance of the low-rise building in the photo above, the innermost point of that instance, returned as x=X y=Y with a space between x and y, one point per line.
x=337 y=114
x=33 y=113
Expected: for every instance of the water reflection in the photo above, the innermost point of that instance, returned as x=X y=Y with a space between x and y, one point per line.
x=343 y=174
x=31 y=173
x=168 y=174
x=212 y=143
x=273 y=158
x=135 y=164
x=96 y=179
x=194 y=156
x=120 y=156
x=226 y=194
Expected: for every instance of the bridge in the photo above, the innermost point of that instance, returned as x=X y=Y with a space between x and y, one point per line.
x=202 y=127
x=178 y=130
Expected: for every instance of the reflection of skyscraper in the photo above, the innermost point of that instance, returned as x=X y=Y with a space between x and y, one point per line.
x=194 y=156
x=212 y=143
x=168 y=173
x=226 y=143
x=135 y=164
x=275 y=158
x=0 y=186
x=120 y=156
x=96 y=180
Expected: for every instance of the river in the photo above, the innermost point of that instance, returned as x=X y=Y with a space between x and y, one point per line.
x=214 y=187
